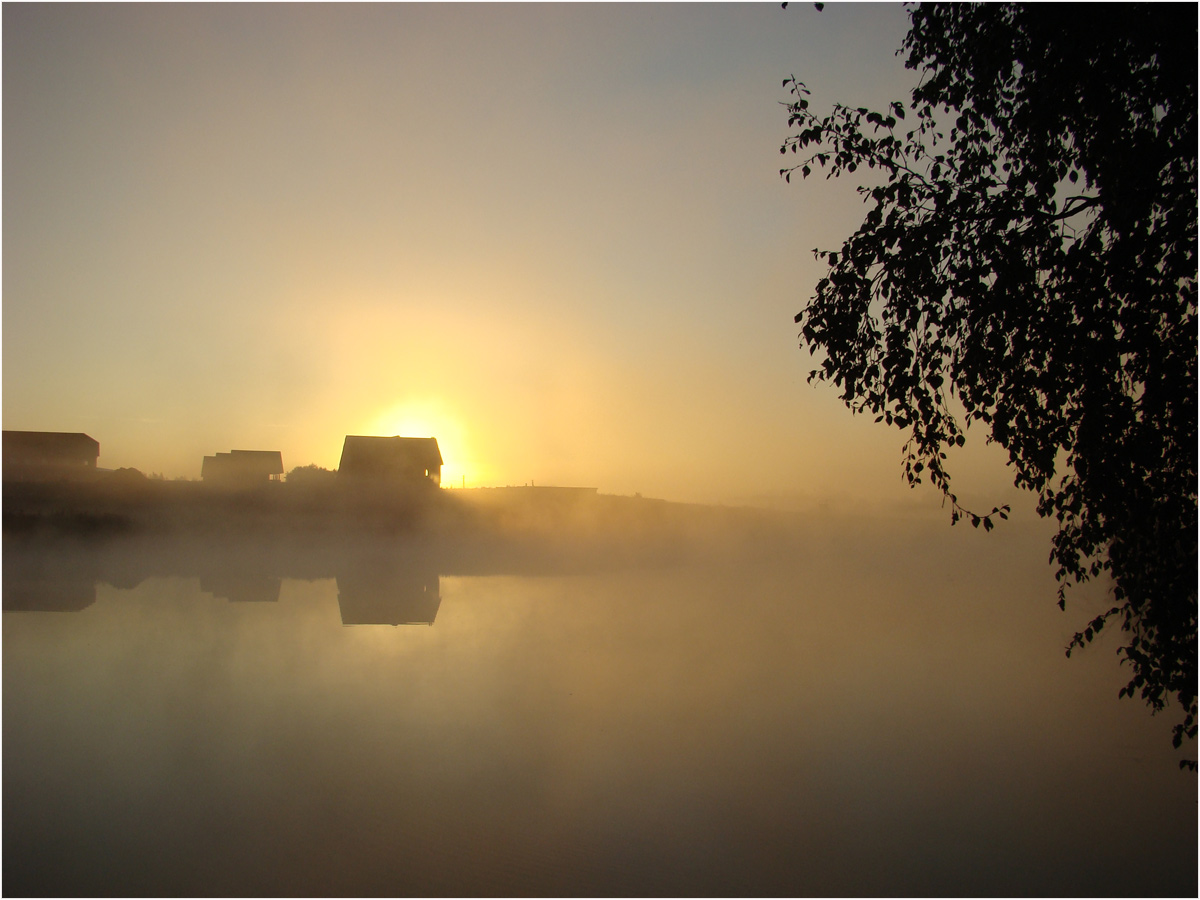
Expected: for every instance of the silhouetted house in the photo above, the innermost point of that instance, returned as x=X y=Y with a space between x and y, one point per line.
x=48 y=455
x=391 y=459
x=242 y=468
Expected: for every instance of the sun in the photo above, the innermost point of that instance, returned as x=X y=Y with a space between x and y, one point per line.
x=435 y=419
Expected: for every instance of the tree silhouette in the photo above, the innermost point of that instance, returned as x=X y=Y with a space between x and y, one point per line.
x=310 y=476
x=1028 y=262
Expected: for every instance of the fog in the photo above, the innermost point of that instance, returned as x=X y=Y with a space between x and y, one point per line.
x=571 y=694
x=554 y=236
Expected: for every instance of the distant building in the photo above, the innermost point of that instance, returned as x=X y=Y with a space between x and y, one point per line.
x=48 y=455
x=391 y=459
x=242 y=468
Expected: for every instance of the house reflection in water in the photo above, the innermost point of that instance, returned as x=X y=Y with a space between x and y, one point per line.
x=26 y=591
x=43 y=582
x=375 y=587
x=242 y=587
x=385 y=592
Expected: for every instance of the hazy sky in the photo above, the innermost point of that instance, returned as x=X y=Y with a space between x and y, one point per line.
x=552 y=236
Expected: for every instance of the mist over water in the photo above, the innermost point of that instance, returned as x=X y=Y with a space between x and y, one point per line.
x=550 y=245
x=754 y=705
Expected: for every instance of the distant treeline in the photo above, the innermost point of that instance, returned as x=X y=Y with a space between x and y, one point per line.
x=567 y=523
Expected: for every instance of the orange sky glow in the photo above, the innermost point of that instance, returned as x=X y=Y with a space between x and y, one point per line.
x=552 y=236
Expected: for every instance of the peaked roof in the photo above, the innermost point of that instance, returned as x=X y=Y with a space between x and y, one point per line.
x=363 y=453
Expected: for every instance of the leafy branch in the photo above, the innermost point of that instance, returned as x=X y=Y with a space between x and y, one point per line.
x=1033 y=266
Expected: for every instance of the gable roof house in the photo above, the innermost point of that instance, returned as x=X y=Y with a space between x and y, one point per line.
x=391 y=459
x=242 y=468
x=42 y=455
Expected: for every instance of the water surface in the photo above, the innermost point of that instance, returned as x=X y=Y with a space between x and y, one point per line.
x=871 y=712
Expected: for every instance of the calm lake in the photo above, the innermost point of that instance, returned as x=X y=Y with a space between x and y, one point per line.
x=859 y=710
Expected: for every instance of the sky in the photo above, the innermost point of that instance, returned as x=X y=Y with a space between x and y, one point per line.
x=553 y=236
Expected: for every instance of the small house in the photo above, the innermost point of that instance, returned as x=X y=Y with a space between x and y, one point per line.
x=391 y=459
x=242 y=468
x=43 y=455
